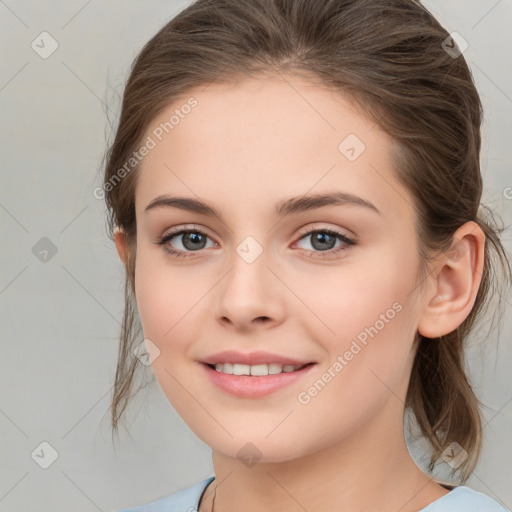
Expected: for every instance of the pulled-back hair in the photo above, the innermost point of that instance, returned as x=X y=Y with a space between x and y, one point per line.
x=391 y=58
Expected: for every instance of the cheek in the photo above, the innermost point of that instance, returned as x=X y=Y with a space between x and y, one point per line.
x=165 y=300
x=367 y=318
x=366 y=369
x=366 y=289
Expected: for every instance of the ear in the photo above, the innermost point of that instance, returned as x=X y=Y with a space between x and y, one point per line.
x=120 y=241
x=456 y=284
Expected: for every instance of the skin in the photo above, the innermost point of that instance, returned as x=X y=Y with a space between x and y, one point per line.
x=245 y=147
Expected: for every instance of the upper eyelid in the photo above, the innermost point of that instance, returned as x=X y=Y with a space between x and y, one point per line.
x=302 y=233
x=307 y=230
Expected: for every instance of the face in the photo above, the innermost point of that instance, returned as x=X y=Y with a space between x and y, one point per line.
x=334 y=284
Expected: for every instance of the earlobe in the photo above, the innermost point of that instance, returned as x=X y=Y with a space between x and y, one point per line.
x=120 y=241
x=457 y=283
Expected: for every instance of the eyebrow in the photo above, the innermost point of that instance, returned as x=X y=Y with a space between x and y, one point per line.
x=281 y=208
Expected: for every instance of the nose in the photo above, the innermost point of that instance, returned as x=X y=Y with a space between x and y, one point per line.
x=250 y=296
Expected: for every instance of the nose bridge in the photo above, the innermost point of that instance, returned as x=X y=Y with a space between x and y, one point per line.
x=247 y=292
x=247 y=278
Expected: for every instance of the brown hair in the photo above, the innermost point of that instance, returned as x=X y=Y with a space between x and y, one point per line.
x=388 y=56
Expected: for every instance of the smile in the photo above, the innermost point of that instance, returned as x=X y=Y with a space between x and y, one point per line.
x=254 y=381
x=257 y=369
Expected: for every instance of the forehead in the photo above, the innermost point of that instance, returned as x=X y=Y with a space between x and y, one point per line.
x=266 y=139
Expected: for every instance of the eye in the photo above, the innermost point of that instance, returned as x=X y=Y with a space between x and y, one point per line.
x=192 y=240
x=324 y=241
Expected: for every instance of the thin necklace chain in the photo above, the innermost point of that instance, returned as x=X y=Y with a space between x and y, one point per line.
x=214 y=494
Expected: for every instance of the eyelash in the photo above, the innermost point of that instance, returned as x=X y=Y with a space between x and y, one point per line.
x=178 y=253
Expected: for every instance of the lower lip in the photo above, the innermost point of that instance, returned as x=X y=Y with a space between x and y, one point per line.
x=247 y=386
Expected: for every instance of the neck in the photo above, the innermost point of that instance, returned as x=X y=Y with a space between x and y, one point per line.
x=370 y=470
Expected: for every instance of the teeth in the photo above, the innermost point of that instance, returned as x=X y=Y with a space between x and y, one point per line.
x=256 y=370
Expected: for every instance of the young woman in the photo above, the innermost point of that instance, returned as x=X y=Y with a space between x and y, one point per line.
x=294 y=189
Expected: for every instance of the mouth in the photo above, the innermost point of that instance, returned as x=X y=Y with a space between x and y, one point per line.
x=257 y=370
x=254 y=381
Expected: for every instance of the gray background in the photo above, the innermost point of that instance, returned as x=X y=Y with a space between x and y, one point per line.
x=60 y=318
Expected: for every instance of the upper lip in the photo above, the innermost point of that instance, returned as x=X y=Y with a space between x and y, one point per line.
x=251 y=358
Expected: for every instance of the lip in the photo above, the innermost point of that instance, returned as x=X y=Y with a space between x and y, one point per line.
x=251 y=358
x=249 y=386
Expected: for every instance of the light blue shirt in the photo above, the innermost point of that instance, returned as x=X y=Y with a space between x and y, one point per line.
x=459 y=499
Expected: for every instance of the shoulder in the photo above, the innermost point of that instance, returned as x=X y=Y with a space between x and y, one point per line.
x=185 y=500
x=465 y=499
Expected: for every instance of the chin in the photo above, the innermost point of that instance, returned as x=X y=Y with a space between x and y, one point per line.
x=258 y=449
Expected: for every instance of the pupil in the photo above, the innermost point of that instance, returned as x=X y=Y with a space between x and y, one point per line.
x=192 y=237
x=319 y=241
